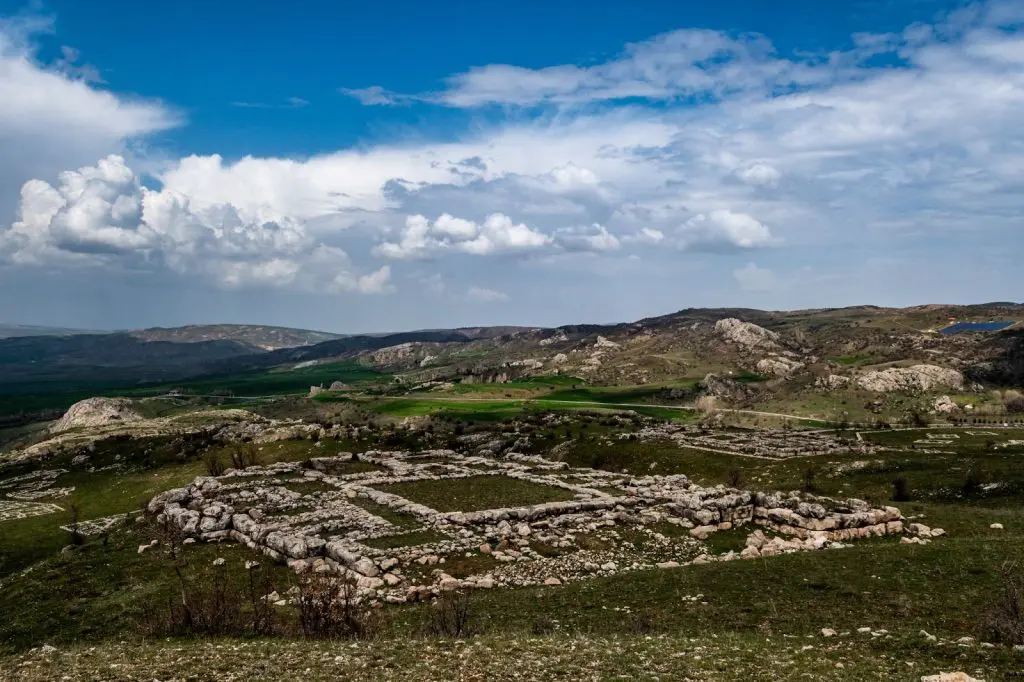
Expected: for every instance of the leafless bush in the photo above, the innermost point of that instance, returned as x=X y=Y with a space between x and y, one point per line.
x=736 y=478
x=214 y=463
x=452 y=616
x=244 y=455
x=206 y=604
x=76 y=535
x=1003 y=622
x=329 y=609
x=259 y=585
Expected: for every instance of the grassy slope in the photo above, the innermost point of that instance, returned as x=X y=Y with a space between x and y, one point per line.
x=759 y=607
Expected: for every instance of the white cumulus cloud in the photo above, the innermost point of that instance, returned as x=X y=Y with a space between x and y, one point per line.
x=497 y=234
x=723 y=228
x=103 y=216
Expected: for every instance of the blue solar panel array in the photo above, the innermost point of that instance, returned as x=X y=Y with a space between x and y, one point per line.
x=961 y=327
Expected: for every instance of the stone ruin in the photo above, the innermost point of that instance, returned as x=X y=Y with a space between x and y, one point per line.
x=317 y=517
x=759 y=443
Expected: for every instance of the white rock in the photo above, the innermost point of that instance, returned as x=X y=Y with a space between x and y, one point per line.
x=950 y=677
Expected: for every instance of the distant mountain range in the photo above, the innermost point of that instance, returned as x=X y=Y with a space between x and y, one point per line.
x=12 y=330
x=262 y=336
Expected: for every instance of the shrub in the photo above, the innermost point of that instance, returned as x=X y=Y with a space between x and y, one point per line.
x=809 y=475
x=244 y=455
x=1015 y=405
x=901 y=490
x=972 y=484
x=736 y=478
x=329 y=609
x=76 y=535
x=917 y=418
x=214 y=463
x=452 y=616
x=543 y=626
x=1003 y=621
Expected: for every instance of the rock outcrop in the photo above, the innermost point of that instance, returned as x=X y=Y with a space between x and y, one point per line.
x=723 y=387
x=916 y=378
x=746 y=334
x=778 y=366
x=96 y=412
x=832 y=382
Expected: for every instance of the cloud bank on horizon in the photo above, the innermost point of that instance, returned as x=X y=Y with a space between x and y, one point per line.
x=695 y=167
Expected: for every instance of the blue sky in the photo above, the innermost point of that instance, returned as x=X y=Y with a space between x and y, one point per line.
x=402 y=166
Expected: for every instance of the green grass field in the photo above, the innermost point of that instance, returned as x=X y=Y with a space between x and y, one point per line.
x=476 y=493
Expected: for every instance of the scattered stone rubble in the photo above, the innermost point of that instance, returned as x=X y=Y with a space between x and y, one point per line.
x=761 y=443
x=310 y=515
x=19 y=495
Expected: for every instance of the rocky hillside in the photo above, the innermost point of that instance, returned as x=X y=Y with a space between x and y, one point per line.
x=755 y=357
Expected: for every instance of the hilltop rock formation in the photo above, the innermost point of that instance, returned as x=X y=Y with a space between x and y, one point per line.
x=832 y=382
x=96 y=412
x=916 y=378
x=778 y=366
x=746 y=334
x=723 y=387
